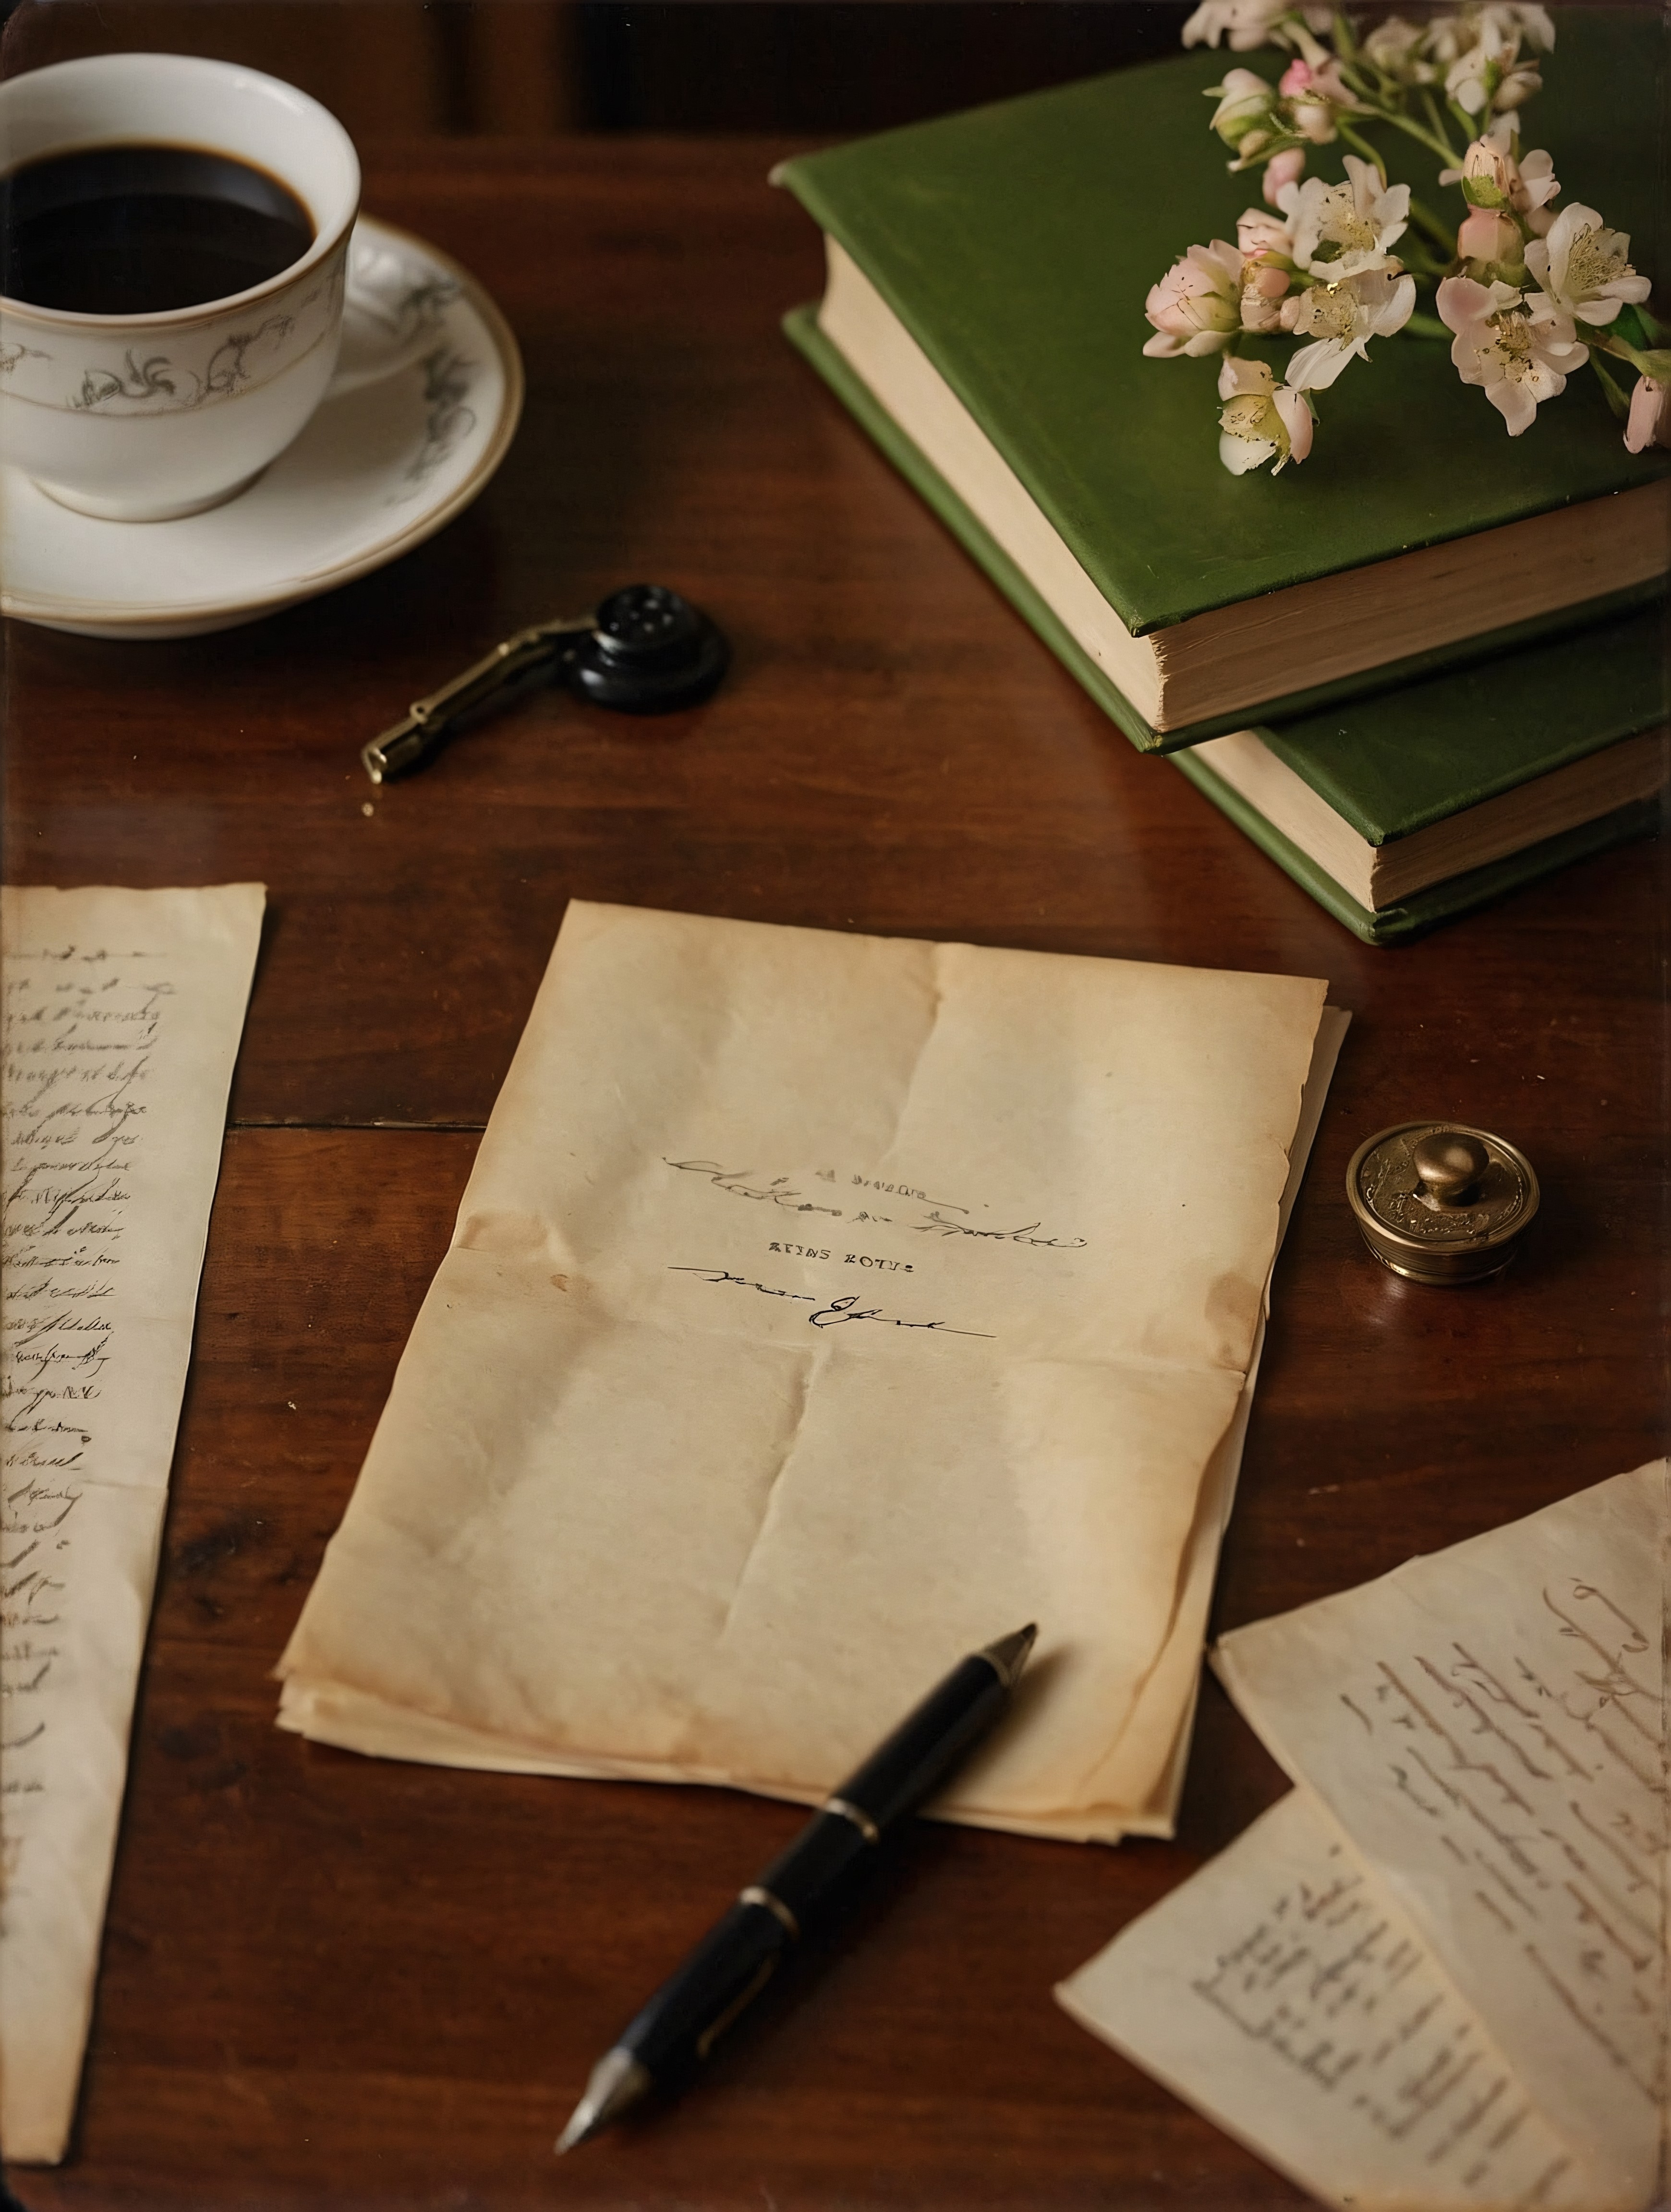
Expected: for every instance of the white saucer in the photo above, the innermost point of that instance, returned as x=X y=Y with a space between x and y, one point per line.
x=378 y=469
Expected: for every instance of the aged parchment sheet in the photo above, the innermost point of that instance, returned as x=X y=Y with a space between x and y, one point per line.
x=1487 y=1725
x=816 y=1302
x=1282 y=1993
x=123 y=1014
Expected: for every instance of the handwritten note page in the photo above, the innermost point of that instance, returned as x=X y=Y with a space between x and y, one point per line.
x=817 y=1303
x=1487 y=1724
x=1283 y=1994
x=122 y=1015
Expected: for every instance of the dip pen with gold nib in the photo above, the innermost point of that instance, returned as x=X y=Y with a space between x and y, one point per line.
x=803 y=1889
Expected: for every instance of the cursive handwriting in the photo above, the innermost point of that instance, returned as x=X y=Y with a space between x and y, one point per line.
x=1343 y=2013
x=830 y=1315
x=1539 y=1767
x=81 y=1028
x=779 y=1190
x=938 y=1226
x=739 y=1182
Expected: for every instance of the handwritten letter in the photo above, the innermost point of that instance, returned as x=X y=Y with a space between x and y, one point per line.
x=122 y=1015
x=1487 y=1725
x=1284 y=1993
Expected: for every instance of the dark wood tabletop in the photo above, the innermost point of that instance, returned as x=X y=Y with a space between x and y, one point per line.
x=331 y=1982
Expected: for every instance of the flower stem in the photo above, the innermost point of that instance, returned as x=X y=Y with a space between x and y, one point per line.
x=1615 y=391
x=1656 y=363
x=1440 y=233
x=1362 y=146
x=1434 y=144
x=1437 y=122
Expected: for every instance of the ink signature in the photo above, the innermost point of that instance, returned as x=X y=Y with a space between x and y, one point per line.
x=833 y=1313
x=734 y=1182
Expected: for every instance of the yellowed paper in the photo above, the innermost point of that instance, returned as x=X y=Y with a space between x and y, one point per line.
x=1282 y=1992
x=1487 y=1724
x=817 y=1303
x=123 y=1013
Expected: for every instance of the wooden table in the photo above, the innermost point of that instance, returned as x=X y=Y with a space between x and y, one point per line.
x=331 y=1982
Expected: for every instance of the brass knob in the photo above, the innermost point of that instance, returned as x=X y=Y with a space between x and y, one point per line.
x=1437 y=1202
x=1450 y=1164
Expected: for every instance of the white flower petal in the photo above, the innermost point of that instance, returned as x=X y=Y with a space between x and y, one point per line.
x=1315 y=367
x=1398 y=308
x=1514 y=404
x=1240 y=454
x=1296 y=420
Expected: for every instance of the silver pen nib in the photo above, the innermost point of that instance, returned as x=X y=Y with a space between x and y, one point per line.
x=617 y=2081
x=1009 y=1654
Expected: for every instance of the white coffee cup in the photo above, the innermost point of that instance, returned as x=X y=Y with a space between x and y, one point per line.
x=142 y=417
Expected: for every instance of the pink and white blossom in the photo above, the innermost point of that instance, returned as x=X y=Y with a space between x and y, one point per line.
x=1258 y=230
x=1395 y=48
x=1449 y=37
x=1261 y=420
x=1263 y=289
x=1530 y=195
x=1196 y=304
x=1517 y=346
x=1282 y=170
x=1650 y=423
x=1249 y=23
x=1340 y=320
x=1525 y=185
x=1585 y=268
x=1346 y=229
x=1481 y=47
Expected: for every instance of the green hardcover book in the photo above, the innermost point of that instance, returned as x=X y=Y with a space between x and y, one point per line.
x=983 y=319
x=1403 y=807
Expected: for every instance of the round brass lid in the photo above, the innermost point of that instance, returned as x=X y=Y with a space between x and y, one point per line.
x=1440 y=1202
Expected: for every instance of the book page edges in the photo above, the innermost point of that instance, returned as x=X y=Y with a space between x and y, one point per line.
x=1218 y=662
x=1381 y=875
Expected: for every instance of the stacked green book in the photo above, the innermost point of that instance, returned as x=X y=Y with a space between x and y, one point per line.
x=1421 y=668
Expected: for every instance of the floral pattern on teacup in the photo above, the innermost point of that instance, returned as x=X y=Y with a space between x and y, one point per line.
x=170 y=368
x=448 y=379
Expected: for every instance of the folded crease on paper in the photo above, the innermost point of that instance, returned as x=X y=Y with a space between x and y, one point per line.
x=821 y=1308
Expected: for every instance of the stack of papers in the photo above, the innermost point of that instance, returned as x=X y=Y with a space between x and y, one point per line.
x=1435 y=1975
x=822 y=1307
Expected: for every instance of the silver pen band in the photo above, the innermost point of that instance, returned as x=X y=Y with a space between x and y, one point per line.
x=857 y=1814
x=775 y=1905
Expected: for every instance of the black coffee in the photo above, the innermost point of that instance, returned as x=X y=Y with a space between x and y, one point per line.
x=123 y=230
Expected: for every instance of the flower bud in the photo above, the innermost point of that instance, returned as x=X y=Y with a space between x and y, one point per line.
x=1488 y=174
x=1518 y=87
x=1488 y=235
x=1280 y=171
x=1314 y=119
x=1650 y=415
x=1245 y=103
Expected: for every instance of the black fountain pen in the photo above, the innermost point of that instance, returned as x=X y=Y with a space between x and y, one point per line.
x=801 y=1888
